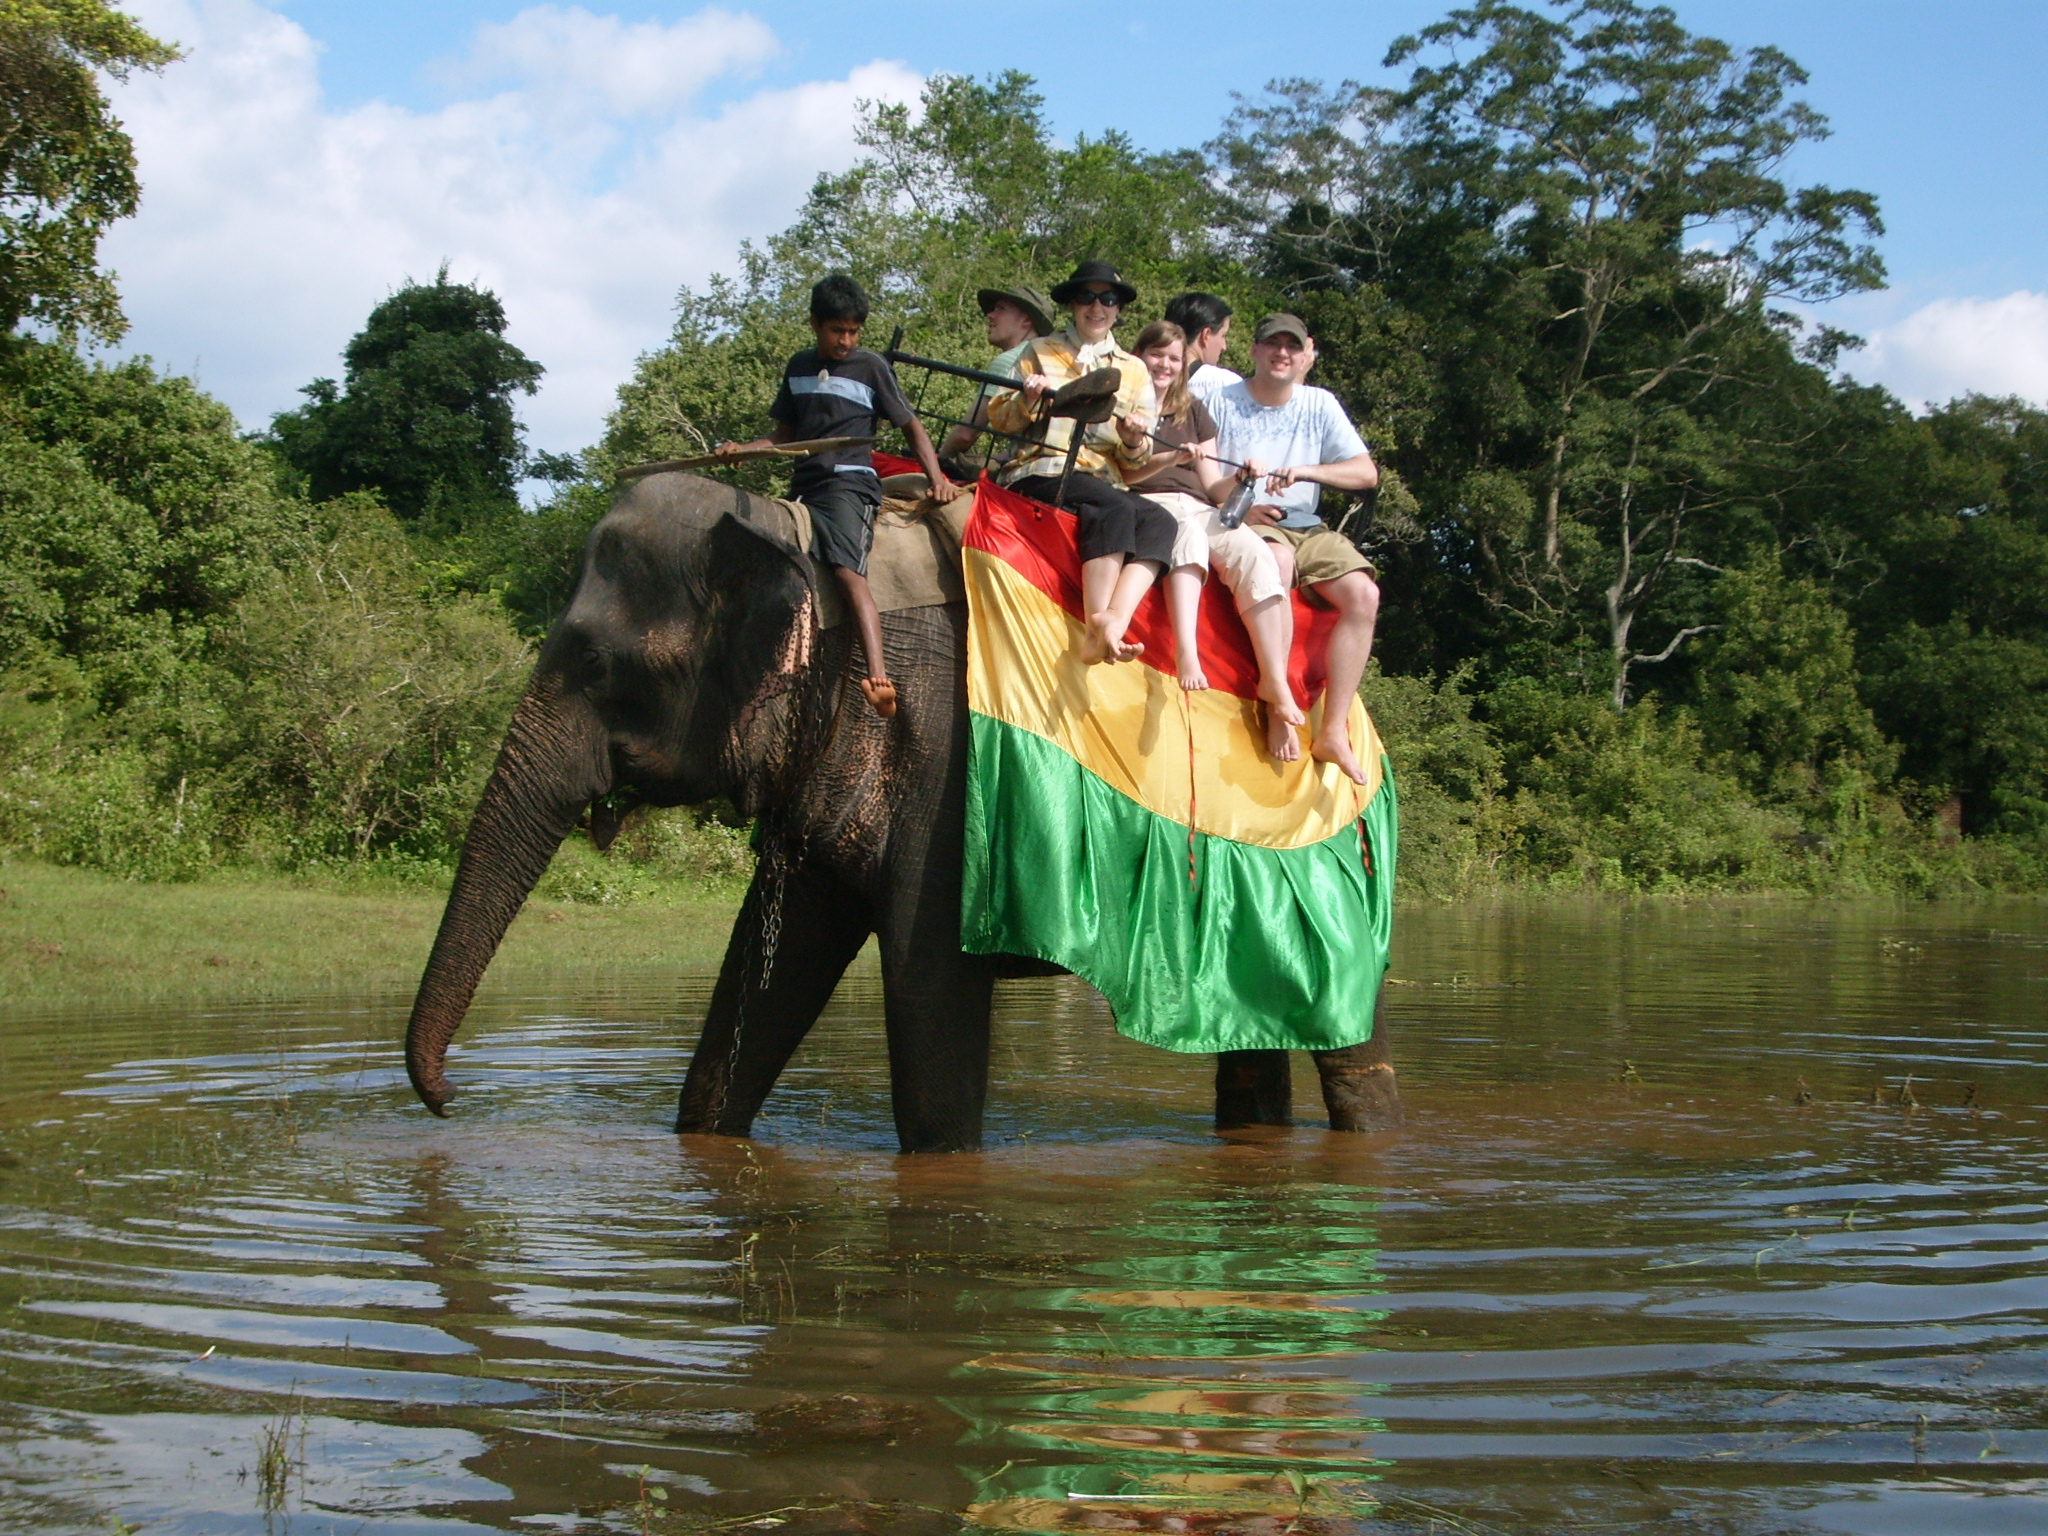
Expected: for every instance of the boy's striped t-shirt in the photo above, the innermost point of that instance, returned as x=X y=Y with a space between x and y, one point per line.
x=843 y=399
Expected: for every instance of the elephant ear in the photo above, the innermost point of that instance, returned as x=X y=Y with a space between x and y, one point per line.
x=759 y=640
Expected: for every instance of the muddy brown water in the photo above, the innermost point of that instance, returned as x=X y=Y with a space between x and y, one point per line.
x=1721 y=1218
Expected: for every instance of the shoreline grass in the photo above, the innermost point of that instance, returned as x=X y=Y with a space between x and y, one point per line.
x=70 y=935
x=73 y=935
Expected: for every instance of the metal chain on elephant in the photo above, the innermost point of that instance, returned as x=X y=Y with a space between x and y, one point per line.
x=775 y=858
x=773 y=873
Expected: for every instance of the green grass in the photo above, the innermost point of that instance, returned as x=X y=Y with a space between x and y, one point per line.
x=71 y=935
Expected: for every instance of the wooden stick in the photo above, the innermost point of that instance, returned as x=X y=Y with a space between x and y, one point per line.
x=772 y=451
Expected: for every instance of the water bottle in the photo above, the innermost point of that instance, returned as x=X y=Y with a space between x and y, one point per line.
x=1240 y=502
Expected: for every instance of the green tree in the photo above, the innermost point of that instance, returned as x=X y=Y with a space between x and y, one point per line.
x=1950 y=534
x=67 y=171
x=132 y=515
x=1585 y=213
x=969 y=190
x=1779 y=692
x=424 y=417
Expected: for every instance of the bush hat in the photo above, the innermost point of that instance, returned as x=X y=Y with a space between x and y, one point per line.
x=1091 y=272
x=1282 y=324
x=1026 y=298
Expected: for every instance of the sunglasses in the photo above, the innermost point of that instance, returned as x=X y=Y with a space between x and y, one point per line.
x=1106 y=297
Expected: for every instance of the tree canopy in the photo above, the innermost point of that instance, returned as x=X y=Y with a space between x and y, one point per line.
x=424 y=418
x=67 y=170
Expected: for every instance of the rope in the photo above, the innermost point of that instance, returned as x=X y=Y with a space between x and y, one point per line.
x=1188 y=729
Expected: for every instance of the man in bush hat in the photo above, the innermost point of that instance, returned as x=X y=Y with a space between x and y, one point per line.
x=1016 y=316
x=1295 y=439
x=1126 y=542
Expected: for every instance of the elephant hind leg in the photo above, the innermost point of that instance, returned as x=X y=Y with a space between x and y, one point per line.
x=751 y=1030
x=1253 y=1088
x=1360 y=1089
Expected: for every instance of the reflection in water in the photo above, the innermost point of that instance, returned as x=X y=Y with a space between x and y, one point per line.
x=1719 y=1218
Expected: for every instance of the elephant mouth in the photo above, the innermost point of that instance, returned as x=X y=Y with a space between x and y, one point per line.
x=646 y=766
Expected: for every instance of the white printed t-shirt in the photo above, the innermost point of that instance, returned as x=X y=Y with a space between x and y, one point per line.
x=1209 y=381
x=1311 y=428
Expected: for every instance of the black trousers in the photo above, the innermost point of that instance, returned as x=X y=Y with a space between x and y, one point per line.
x=1109 y=519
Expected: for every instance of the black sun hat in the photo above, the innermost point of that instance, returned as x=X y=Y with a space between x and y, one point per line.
x=1089 y=273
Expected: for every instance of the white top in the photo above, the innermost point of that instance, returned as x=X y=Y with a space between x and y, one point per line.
x=1210 y=380
x=1311 y=428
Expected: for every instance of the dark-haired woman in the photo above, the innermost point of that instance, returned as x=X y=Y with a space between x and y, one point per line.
x=1124 y=540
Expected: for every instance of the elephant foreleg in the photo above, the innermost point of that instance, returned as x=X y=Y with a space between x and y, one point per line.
x=1359 y=1087
x=1253 y=1088
x=751 y=1030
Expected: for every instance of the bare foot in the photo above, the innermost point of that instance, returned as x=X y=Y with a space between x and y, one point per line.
x=1106 y=641
x=881 y=695
x=1283 y=739
x=1335 y=747
x=1192 y=678
x=1280 y=699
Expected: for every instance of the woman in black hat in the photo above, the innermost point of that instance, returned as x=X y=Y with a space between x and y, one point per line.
x=1125 y=541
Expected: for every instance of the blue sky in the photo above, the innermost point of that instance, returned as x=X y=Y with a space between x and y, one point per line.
x=1940 y=109
x=1936 y=109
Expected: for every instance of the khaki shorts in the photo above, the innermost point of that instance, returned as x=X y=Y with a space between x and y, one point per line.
x=1320 y=554
x=1240 y=557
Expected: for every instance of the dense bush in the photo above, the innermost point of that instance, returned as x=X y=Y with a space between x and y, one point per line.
x=196 y=665
x=1536 y=787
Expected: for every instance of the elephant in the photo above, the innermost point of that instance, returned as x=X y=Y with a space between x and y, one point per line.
x=699 y=658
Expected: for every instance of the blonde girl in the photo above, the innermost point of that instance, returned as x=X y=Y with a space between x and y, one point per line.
x=1184 y=479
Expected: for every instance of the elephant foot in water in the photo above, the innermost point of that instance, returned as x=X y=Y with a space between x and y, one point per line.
x=1360 y=1089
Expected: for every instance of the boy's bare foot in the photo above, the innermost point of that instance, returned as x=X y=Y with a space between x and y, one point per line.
x=1106 y=641
x=881 y=695
x=1192 y=678
x=1334 y=746
x=1283 y=739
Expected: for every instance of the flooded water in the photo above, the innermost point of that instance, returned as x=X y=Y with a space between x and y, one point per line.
x=1709 y=1219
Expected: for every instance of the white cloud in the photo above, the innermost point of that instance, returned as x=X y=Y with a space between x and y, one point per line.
x=584 y=187
x=630 y=68
x=1953 y=347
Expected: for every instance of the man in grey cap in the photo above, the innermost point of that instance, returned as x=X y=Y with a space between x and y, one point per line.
x=1294 y=439
x=1016 y=316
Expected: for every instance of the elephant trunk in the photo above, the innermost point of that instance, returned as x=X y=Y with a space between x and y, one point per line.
x=553 y=764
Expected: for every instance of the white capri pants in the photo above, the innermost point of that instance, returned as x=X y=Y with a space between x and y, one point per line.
x=1243 y=559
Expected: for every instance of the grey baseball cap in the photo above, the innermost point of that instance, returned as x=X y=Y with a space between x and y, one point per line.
x=1282 y=324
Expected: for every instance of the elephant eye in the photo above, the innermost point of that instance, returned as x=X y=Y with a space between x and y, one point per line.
x=593 y=658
